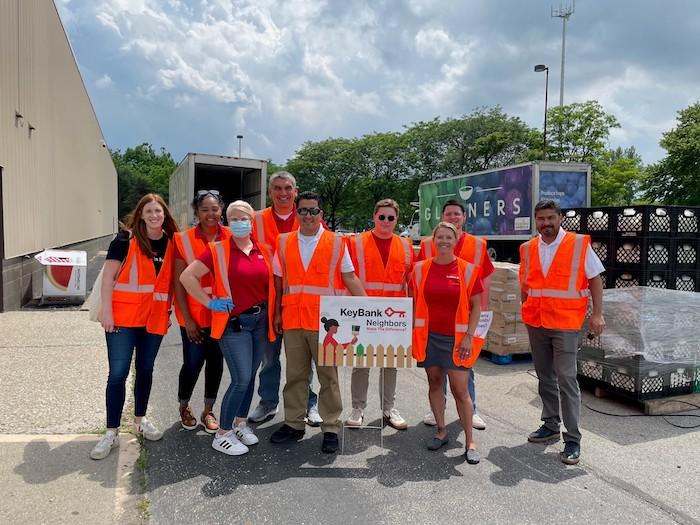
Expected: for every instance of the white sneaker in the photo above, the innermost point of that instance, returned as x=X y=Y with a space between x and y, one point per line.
x=245 y=434
x=355 y=419
x=313 y=418
x=107 y=442
x=394 y=419
x=148 y=430
x=229 y=444
x=478 y=423
x=262 y=412
x=429 y=419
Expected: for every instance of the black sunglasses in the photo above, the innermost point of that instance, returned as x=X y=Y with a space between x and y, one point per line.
x=203 y=193
x=309 y=211
x=390 y=218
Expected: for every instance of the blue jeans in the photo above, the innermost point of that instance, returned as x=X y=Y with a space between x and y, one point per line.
x=194 y=357
x=471 y=387
x=120 y=350
x=243 y=349
x=270 y=372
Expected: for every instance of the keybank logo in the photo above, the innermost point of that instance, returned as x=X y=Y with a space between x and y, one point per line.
x=361 y=312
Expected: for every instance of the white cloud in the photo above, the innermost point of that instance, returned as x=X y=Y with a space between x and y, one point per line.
x=104 y=81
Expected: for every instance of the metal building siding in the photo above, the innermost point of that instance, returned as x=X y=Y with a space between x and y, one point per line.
x=60 y=186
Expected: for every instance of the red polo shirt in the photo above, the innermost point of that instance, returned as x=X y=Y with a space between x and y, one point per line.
x=442 y=296
x=247 y=276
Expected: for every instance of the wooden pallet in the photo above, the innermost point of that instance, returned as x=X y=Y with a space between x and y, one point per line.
x=651 y=407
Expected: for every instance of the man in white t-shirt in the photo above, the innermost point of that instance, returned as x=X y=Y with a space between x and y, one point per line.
x=309 y=263
x=559 y=271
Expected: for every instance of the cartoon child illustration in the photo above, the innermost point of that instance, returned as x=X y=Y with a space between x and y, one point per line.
x=331 y=328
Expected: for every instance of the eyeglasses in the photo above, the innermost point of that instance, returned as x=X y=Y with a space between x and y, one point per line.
x=308 y=211
x=390 y=218
x=203 y=193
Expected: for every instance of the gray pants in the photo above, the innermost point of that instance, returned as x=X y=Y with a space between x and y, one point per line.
x=360 y=383
x=554 y=355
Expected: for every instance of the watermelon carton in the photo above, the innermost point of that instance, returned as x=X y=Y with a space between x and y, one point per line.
x=65 y=276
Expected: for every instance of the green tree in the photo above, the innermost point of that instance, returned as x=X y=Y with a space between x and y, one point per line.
x=578 y=132
x=141 y=170
x=327 y=167
x=676 y=178
x=618 y=175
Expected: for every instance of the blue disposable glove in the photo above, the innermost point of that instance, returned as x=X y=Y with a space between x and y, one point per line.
x=220 y=305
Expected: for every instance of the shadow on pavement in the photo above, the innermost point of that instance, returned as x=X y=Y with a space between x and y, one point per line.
x=529 y=461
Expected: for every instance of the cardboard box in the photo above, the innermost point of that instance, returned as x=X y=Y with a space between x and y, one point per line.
x=517 y=339
x=64 y=279
x=505 y=272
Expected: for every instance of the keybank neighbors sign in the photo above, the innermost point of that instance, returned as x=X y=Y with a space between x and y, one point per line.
x=365 y=332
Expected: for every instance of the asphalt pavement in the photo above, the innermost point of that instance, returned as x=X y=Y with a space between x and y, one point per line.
x=633 y=469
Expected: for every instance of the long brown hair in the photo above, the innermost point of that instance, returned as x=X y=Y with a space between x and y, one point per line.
x=137 y=226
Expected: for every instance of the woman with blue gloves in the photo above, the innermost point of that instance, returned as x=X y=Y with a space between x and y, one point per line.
x=242 y=289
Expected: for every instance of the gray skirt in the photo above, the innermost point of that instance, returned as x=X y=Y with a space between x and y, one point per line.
x=439 y=352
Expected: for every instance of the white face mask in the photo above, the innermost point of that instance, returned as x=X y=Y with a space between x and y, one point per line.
x=240 y=229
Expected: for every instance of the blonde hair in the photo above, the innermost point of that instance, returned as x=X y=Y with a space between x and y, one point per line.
x=241 y=206
x=447 y=225
x=387 y=203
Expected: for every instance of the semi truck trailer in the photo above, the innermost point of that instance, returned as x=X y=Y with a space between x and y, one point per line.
x=233 y=177
x=499 y=203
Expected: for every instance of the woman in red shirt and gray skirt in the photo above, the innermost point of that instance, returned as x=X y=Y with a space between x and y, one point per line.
x=446 y=291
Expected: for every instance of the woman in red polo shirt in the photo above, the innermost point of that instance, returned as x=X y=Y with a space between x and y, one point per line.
x=245 y=334
x=447 y=308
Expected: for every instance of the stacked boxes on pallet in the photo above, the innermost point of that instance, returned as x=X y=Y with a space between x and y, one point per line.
x=508 y=334
x=650 y=347
x=646 y=245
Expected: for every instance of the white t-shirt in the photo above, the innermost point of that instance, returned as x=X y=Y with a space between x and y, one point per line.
x=307 y=247
x=593 y=266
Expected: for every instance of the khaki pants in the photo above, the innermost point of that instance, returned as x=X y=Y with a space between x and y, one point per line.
x=360 y=383
x=300 y=347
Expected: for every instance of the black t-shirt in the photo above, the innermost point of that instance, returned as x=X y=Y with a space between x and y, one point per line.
x=119 y=248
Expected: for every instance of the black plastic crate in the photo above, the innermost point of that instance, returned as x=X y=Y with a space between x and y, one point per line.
x=628 y=277
x=681 y=379
x=573 y=220
x=642 y=221
x=685 y=222
x=603 y=247
x=635 y=377
x=686 y=281
x=644 y=253
x=599 y=221
x=685 y=254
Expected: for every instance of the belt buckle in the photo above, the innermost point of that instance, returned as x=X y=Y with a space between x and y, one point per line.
x=256 y=309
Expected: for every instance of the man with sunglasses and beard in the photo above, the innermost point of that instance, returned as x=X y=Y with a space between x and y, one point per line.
x=383 y=263
x=309 y=263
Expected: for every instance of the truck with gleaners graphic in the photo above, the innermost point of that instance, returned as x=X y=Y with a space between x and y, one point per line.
x=500 y=202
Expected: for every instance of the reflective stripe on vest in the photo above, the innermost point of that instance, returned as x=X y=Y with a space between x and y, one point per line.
x=133 y=284
x=361 y=264
x=428 y=248
x=572 y=292
x=314 y=290
x=478 y=251
x=186 y=246
x=260 y=227
x=157 y=296
x=420 y=322
x=223 y=270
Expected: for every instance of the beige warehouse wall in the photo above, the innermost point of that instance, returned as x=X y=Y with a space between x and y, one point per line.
x=59 y=183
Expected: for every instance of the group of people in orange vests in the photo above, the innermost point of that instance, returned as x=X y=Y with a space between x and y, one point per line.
x=242 y=290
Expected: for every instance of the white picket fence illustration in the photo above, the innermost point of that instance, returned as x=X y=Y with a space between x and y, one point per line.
x=369 y=356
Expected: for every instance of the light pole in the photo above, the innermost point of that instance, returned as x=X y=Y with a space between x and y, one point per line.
x=240 y=139
x=538 y=69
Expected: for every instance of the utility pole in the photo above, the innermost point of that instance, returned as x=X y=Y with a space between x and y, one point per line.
x=564 y=12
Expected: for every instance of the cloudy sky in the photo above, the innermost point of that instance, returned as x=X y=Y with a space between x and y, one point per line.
x=190 y=75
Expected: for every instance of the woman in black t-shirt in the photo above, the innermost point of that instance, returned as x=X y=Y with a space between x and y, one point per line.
x=136 y=300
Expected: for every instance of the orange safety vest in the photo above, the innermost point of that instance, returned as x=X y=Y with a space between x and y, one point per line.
x=303 y=288
x=468 y=274
x=191 y=247
x=139 y=298
x=221 y=256
x=473 y=249
x=377 y=279
x=559 y=300
x=265 y=229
